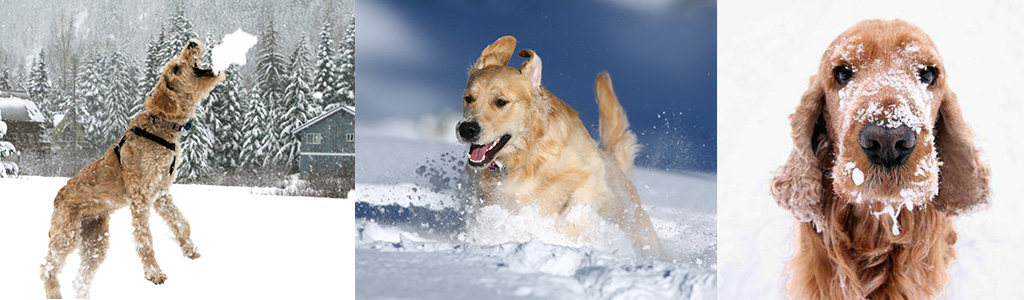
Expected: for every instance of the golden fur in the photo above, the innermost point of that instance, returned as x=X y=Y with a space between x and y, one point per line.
x=845 y=249
x=139 y=180
x=550 y=161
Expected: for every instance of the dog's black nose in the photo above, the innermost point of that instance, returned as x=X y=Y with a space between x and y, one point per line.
x=469 y=131
x=888 y=147
x=192 y=44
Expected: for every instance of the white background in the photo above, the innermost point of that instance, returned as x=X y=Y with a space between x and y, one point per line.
x=766 y=52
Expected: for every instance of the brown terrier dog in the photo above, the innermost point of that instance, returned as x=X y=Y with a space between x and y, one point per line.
x=136 y=172
x=882 y=161
x=529 y=148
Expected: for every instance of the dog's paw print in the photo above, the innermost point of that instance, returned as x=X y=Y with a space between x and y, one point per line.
x=156 y=276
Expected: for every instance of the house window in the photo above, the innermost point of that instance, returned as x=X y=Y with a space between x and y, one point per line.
x=314 y=138
x=350 y=136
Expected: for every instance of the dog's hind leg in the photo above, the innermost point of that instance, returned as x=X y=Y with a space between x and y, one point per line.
x=182 y=232
x=64 y=235
x=616 y=139
x=140 y=206
x=95 y=242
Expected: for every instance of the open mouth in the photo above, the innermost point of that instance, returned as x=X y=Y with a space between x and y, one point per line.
x=200 y=72
x=481 y=155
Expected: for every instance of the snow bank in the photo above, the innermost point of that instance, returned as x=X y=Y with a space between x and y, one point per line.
x=414 y=240
x=493 y=224
x=252 y=246
x=413 y=268
x=232 y=50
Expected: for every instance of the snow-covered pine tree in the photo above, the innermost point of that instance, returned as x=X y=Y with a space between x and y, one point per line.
x=89 y=103
x=200 y=142
x=5 y=79
x=119 y=97
x=155 y=61
x=255 y=131
x=197 y=148
x=179 y=32
x=39 y=85
x=271 y=72
x=327 y=73
x=347 y=64
x=228 y=122
x=297 y=109
x=6 y=149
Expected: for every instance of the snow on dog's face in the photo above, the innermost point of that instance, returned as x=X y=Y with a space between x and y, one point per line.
x=498 y=104
x=883 y=93
x=879 y=126
x=183 y=83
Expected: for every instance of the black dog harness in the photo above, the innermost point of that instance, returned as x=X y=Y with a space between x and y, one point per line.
x=152 y=137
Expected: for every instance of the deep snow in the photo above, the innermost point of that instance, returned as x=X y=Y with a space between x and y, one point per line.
x=412 y=242
x=763 y=71
x=253 y=246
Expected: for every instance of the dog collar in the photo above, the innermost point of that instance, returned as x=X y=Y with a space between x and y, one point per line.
x=169 y=124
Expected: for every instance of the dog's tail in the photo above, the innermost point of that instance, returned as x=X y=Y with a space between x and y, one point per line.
x=616 y=139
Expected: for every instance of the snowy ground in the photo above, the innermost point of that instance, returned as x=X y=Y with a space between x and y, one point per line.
x=763 y=70
x=253 y=246
x=411 y=240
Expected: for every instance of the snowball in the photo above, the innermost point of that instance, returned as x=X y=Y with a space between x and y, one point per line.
x=232 y=50
x=858 y=176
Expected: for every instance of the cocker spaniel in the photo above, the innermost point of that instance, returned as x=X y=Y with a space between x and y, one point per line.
x=882 y=161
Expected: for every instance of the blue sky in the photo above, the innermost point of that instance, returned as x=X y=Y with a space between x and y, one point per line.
x=412 y=58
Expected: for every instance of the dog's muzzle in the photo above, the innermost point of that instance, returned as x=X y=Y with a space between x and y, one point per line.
x=887 y=147
x=469 y=131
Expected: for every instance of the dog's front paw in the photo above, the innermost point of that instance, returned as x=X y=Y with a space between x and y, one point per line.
x=191 y=251
x=156 y=276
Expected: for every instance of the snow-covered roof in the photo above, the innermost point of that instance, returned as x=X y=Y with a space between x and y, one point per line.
x=345 y=108
x=19 y=94
x=57 y=118
x=20 y=110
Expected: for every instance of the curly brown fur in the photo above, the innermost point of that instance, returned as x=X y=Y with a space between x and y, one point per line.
x=847 y=248
x=139 y=180
x=550 y=161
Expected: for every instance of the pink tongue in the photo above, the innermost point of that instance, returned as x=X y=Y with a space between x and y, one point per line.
x=478 y=153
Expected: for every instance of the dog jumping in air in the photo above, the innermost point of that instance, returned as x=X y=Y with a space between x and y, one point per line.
x=136 y=172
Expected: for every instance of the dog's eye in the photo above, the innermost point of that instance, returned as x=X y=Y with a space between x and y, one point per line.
x=177 y=69
x=500 y=102
x=842 y=74
x=928 y=74
x=468 y=99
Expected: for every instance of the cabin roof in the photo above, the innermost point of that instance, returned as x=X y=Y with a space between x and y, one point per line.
x=20 y=110
x=321 y=117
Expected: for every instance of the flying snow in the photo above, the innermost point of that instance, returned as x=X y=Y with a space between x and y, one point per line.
x=232 y=50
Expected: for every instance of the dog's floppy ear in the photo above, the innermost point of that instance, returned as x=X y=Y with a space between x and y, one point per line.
x=531 y=67
x=162 y=101
x=963 y=176
x=797 y=185
x=497 y=54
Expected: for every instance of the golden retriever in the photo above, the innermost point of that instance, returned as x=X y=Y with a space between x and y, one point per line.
x=137 y=172
x=882 y=161
x=529 y=148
